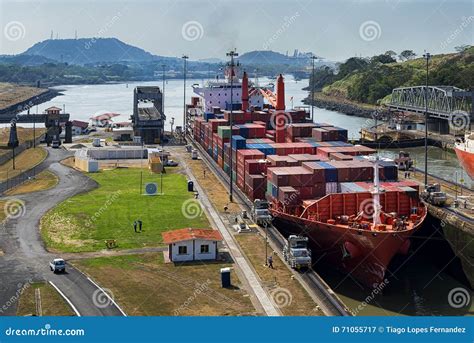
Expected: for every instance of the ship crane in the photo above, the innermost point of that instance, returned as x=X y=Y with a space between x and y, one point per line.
x=269 y=95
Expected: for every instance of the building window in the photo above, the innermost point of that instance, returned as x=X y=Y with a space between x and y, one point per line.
x=182 y=250
x=205 y=249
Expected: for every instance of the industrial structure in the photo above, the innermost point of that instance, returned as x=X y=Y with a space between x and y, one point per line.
x=148 y=119
x=448 y=107
x=53 y=119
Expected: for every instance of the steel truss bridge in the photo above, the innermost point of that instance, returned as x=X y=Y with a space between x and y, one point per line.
x=443 y=101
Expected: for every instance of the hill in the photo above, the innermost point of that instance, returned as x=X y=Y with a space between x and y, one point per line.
x=89 y=50
x=25 y=60
x=370 y=81
x=265 y=57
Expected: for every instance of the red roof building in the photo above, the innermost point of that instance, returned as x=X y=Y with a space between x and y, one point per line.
x=192 y=244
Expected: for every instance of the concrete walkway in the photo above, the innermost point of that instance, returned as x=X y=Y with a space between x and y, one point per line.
x=248 y=272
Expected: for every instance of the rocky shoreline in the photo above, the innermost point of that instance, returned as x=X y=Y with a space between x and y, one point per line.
x=345 y=107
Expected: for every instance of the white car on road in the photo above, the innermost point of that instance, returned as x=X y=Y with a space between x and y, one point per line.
x=57 y=265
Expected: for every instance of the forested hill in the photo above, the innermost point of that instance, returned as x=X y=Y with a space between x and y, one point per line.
x=89 y=50
x=371 y=80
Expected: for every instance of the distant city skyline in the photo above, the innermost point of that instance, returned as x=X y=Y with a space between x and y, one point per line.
x=335 y=30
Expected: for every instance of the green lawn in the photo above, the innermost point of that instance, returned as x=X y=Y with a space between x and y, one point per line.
x=84 y=222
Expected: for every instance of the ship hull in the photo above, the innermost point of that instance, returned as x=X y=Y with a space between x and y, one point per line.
x=363 y=256
x=467 y=161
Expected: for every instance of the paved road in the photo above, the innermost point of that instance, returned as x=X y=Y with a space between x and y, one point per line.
x=25 y=258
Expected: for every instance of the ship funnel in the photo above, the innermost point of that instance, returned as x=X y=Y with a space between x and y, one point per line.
x=280 y=96
x=245 y=92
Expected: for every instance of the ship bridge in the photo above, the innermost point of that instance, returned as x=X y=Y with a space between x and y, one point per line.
x=448 y=106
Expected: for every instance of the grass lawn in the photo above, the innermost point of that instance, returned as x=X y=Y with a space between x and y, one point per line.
x=43 y=181
x=85 y=221
x=52 y=303
x=24 y=161
x=145 y=286
x=24 y=134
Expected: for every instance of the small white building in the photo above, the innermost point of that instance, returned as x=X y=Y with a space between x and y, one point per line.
x=79 y=127
x=192 y=244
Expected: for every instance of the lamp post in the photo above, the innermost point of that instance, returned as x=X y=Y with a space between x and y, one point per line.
x=427 y=57
x=185 y=58
x=231 y=54
x=312 y=87
x=163 y=90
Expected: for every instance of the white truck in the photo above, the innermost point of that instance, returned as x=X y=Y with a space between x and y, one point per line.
x=260 y=213
x=433 y=195
x=296 y=252
x=194 y=154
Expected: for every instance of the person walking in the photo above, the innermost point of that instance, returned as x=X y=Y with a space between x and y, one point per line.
x=135 y=226
x=270 y=262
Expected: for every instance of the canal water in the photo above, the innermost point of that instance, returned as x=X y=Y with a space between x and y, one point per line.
x=419 y=285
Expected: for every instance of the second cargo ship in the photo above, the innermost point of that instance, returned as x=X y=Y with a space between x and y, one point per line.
x=350 y=204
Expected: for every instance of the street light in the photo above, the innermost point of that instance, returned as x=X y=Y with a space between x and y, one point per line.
x=232 y=54
x=184 y=97
x=312 y=88
x=427 y=57
x=163 y=90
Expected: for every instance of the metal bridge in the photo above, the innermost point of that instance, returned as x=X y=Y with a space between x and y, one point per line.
x=443 y=101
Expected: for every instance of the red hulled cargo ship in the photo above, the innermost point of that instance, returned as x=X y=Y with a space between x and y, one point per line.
x=350 y=204
x=465 y=152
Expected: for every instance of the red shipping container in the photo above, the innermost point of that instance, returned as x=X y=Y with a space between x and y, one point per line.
x=288 y=195
x=318 y=172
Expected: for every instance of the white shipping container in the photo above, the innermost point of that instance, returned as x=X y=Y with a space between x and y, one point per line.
x=331 y=187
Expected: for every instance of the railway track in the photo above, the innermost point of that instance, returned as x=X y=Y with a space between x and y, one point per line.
x=328 y=301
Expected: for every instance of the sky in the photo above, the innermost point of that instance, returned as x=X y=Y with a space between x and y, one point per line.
x=335 y=30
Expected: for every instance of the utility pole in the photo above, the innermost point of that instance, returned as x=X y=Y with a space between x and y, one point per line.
x=231 y=54
x=427 y=57
x=163 y=91
x=312 y=87
x=185 y=58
